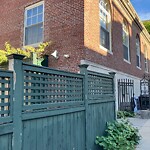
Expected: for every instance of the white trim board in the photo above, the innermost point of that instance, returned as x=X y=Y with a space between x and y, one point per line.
x=106 y=69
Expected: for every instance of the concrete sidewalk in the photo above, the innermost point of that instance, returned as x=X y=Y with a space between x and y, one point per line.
x=144 y=128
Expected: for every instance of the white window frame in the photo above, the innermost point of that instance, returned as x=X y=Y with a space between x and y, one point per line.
x=25 y=17
x=126 y=31
x=138 y=51
x=108 y=24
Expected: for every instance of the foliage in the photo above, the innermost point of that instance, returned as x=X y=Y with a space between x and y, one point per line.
x=124 y=114
x=120 y=136
x=27 y=51
x=147 y=25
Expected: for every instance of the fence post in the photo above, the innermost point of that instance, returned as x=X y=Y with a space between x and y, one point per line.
x=15 y=64
x=83 y=70
x=112 y=74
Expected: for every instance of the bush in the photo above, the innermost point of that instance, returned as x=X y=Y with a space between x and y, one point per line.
x=120 y=136
x=26 y=51
x=124 y=114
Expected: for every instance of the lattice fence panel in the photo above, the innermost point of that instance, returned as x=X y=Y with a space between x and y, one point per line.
x=99 y=85
x=6 y=88
x=51 y=90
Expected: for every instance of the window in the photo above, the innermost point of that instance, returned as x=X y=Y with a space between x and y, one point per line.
x=104 y=24
x=146 y=58
x=125 y=35
x=34 y=18
x=138 y=52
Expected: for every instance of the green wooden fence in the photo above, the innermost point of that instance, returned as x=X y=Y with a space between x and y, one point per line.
x=48 y=109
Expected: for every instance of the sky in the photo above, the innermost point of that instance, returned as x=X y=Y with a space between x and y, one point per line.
x=142 y=8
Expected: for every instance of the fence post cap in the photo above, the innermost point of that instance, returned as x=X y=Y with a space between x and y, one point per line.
x=83 y=66
x=112 y=73
x=16 y=56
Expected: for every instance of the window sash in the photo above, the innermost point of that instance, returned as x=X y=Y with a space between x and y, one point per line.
x=34 y=34
x=125 y=38
x=34 y=18
x=137 y=60
x=104 y=38
x=146 y=61
x=146 y=65
x=126 y=52
x=104 y=15
x=137 y=52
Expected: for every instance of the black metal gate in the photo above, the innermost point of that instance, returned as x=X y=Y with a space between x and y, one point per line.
x=145 y=93
x=125 y=94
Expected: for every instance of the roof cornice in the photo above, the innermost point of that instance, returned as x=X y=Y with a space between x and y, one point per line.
x=132 y=14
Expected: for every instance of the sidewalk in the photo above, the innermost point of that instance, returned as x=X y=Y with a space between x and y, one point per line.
x=144 y=128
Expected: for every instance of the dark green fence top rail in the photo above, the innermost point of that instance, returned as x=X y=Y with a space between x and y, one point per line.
x=30 y=67
x=100 y=74
x=6 y=91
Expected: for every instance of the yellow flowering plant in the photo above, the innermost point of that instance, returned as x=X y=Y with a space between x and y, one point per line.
x=26 y=51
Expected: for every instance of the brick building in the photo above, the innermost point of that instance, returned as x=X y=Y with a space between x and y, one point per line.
x=105 y=34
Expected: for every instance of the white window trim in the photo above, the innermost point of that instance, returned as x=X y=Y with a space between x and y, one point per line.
x=105 y=49
x=138 y=68
x=138 y=52
x=109 y=27
x=127 y=61
x=146 y=57
x=128 y=34
x=25 y=16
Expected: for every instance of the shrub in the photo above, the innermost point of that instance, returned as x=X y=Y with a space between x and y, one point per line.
x=124 y=114
x=119 y=136
x=26 y=51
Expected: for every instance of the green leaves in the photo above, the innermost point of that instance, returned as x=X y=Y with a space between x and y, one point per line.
x=147 y=25
x=27 y=51
x=120 y=136
x=124 y=114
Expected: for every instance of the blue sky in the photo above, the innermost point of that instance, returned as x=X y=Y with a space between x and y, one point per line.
x=142 y=7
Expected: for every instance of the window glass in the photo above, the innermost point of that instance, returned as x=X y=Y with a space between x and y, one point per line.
x=138 y=51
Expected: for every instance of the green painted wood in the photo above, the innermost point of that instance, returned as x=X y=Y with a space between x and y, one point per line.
x=26 y=135
x=42 y=114
x=6 y=142
x=6 y=129
x=51 y=106
x=5 y=73
x=84 y=71
x=54 y=132
x=55 y=110
x=33 y=128
x=48 y=88
x=39 y=134
x=99 y=115
x=100 y=75
x=45 y=134
x=30 y=67
x=16 y=66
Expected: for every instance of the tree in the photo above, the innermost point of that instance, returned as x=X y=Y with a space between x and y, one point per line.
x=26 y=50
x=147 y=25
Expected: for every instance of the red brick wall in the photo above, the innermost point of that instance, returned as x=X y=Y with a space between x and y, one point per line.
x=73 y=25
x=115 y=60
x=64 y=25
